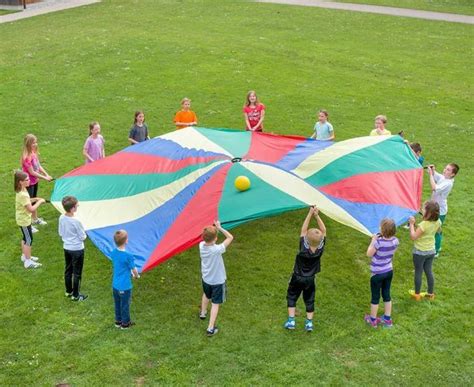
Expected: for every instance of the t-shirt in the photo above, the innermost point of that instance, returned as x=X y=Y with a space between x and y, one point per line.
x=307 y=263
x=94 y=148
x=72 y=233
x=212 y=263
x=22 y=215
x=323 y=131
x=385 y=132
x=254 y=114
x=123 y=263
x=427 y=240
x=183 y=116
x=34 y=163
x=139 y=133
x=384 y=251
x=440 y=194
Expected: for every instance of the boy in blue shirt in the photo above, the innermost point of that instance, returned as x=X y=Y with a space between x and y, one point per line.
x=123 y=263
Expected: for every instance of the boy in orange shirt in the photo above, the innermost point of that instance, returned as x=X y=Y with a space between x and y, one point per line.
x=185 y=117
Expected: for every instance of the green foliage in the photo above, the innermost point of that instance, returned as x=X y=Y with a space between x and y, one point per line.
x=102 y=62
x=463 y=7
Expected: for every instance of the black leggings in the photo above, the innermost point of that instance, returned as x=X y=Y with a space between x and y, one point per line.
x=298 y=285
x=423 y=263
x=380 y=283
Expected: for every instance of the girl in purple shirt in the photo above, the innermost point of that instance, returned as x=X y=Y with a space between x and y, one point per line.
x=381 y=249
x=94 y=145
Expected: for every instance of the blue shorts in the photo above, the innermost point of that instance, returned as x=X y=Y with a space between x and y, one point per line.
x=215 y=293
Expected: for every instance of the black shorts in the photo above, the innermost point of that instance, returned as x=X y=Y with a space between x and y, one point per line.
x=27 y=235
x=380 y=283
x=215 y=293
x=33 y=190
x=297 y=285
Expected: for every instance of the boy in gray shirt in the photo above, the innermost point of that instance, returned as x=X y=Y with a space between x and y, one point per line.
x=73 y=235
x=213 y=272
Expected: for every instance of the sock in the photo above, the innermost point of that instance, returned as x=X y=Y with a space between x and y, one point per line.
x=373 y=318
x=385 y=317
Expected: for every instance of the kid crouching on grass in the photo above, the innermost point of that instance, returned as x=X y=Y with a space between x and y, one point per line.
x=213 y=272
x=24 y=208
x=73 y=235
x=307 y=265
x=381 y=249
x=123 y=263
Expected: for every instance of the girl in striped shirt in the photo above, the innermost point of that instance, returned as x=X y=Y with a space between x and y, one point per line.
x=381 y=249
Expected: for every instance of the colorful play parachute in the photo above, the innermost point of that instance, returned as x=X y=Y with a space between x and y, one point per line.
x=164 y=191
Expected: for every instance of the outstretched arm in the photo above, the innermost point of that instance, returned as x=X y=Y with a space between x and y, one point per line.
x=305 y=226
x=321 y=225
x=371 y=249
x=228 y=236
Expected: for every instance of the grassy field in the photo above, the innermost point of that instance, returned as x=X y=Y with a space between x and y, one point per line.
x=102 y=62
x=465 y=7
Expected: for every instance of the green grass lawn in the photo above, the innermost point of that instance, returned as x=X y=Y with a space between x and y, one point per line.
x=465 y=7
x=5 y=12
x=102 y=62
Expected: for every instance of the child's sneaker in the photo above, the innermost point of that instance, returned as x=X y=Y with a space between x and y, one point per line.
x=34 y=229
x=23 y=258
x=30 y=264
x=372 y=323
x=118 y=324
x=202 y=315
x=39 y=221
x=386 y=323
x=290 y=324
x=430 y=297
x=68 y=295
x=126 y=326
x=406 y=226
x=212 y=331
x=416 y=297
x=80 y=297
x=308 y=325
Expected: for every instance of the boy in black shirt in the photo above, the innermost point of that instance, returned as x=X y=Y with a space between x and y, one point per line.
x=307 y=264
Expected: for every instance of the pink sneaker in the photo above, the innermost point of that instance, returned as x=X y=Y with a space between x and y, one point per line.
x=372 y=323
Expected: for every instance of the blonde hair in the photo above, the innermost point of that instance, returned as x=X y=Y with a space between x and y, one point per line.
x=120 y=237
x=388 y=228
x=185 y=99
x=314 y=236
x=28 y=146
x=247 y=100
x=209 y=234
x=382 y=118
x=19 y=177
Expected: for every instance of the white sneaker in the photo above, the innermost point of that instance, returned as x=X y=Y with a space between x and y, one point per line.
x=39 y=221
x=406 y=226
x=34 y=229
x=23 y=258
x=29 y=264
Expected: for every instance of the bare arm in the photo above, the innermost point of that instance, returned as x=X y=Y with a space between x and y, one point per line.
x=228 y=236
x=247 y=123
x=431 y=173
x=87 y=156
x=33 y=207
x=132 y=141
x=414 y=235
x=371 y=249
x=135 y=273
x=321 y=225
x=39 y=175
x=305 y=226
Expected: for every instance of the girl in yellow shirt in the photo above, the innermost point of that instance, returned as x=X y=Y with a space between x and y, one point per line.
x=424 y=248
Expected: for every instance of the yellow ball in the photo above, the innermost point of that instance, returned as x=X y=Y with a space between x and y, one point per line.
x=242 y=183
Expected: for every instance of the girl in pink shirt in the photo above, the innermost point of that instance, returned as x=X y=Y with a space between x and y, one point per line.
x=254 y=113
x=31 y=165
x=94 y=145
